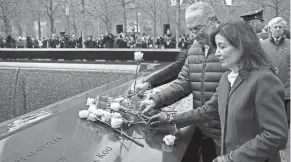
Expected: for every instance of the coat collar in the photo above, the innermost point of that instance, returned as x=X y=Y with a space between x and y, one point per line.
x=226 y=84
x=236 y=83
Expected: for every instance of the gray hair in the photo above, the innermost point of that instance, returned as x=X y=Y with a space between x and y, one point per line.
x=277 y=20
x=204 y=7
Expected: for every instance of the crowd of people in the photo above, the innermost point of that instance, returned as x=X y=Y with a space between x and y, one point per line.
x=134 y=40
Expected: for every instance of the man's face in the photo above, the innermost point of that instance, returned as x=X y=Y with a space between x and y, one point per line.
x=277 y=29
x=198 y=23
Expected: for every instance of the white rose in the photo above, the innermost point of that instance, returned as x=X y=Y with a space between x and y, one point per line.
x=90 y=101
x=83 y=114
x=106 y=116
x=92 y=108
x=99 y=112
x=116 y=122
x=92 y=117
x=169 y=139
x=116 y=115
x=115 y=106
x=138 y=56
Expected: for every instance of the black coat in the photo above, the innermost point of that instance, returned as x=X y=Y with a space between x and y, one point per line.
x=168 y=74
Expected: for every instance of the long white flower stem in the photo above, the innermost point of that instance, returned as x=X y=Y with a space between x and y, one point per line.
x=137 y=63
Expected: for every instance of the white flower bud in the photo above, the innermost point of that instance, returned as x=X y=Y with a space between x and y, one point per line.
x=92 y=108
x=83 y=114
x=138 y=56
x=116 y=115
x=90 y=101
x=169 y=139
x=116 y=122
x=99 y=112
x=92 y=117
x=115 y=106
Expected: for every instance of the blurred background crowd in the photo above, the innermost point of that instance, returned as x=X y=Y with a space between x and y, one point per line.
x=107 y=40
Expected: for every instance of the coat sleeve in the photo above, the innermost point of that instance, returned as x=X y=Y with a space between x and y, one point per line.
x=205 y=113
x=168 y=74
x=178 y=89
x=287 y=82
x=269 y=108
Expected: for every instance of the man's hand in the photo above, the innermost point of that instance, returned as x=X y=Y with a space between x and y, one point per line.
x=160 y=118
x=146 y=105
x=142 y=87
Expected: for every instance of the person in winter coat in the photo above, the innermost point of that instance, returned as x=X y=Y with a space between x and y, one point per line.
x=205 y=71
x=277 y=46
x=249 y=99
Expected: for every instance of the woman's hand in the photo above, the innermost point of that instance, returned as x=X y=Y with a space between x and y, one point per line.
x=224 y=158
x=146 y=105
x=160 y=118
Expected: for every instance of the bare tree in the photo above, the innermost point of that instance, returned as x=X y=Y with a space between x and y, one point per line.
x=125 y=4
x=37 y=12
x=9 y=9
x=152 y=8
x=106 y=11
x=278 y=6
x=168 y=9
x=75 y=16
x=51 y=8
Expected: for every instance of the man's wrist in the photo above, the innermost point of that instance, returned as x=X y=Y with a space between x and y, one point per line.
x=230 y=156
x=148 y=85
x=171 y=119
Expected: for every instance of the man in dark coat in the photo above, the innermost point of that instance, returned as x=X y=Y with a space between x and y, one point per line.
x=169 y=40
x=72 y=43
x=277 y=46
x=203 y=65
x=10 y=42
x=89 y=42
x=108 y=41
x=2 y=44
x=29 y=42
x=254 y=19
x=53 y=42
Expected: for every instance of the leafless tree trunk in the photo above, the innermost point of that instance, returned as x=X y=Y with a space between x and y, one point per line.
x=39 y=26
x=83 y=22
x=152 y=8
x=8 y=11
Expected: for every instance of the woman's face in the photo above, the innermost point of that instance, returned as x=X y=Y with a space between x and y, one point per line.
x=228 y=55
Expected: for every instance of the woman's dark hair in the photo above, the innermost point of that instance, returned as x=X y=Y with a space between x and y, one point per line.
x=241 y=36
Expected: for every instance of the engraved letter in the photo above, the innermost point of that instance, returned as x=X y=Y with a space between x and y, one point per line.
x=101 y=156
x=108 y=148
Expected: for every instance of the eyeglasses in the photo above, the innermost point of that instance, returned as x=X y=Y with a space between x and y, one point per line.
x=199 y=31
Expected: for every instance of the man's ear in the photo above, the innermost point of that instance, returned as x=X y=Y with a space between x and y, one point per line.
x=252 y=23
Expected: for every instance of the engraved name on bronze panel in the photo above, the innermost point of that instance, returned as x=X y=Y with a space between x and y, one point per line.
x=40 y=149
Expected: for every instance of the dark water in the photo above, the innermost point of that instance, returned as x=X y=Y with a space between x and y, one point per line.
x=26 y=90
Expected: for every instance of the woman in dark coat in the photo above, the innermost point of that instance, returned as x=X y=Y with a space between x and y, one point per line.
x=249 y=100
